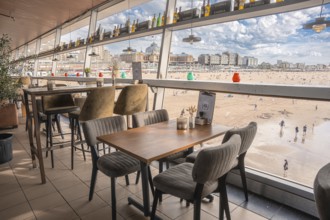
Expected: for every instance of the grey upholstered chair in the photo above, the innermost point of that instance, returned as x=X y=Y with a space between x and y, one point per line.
x=53 y=105
x=151 y=117
x=193 y=182
x=322 y=192
x=114 y=164
x=98 y=104
x=132 y=99
x=247 y=135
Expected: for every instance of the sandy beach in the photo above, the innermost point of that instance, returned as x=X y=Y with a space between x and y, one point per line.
x=306 y=154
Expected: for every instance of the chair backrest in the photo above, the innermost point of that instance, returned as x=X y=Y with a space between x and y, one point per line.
x=101 y=126
x=99 y=104
x=322 y=192
x=247 y=135
x=214 y=162
x=52 y=101
x=132 y=99
x=150 y=117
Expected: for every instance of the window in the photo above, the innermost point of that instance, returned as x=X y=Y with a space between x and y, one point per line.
x=76 y=31
x=113 y=56
x=45 y=66
x=266 y=50
x=31 y=48
x=47 y=42
x=71 y=63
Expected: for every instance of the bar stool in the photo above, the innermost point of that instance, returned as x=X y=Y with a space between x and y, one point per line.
x=98 y=104
x=54 y=105
x=132 y=99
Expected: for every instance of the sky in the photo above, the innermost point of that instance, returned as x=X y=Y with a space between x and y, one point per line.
x=268 y=38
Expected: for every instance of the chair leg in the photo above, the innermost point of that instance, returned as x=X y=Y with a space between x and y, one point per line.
x=49 y=119
x=127 y=180
x=58 y=124
x=93 y=180
x=197 y=208
x=154 y=205
x=137 y=177
x=80 y=138
x=113 y=198
x=224 y=206
x=243 y=178
x=72 y=142
x=160 y=166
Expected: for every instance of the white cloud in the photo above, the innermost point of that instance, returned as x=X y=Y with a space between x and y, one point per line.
x=267 y=38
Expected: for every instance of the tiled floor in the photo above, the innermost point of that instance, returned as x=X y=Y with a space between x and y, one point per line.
x=65 y=195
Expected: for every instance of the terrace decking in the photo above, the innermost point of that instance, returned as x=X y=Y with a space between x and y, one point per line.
x=65 y=195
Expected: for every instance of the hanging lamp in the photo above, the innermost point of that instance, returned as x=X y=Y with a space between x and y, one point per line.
x=191 y=38
x=319 y=24
x=129 y=49
x=93 y=54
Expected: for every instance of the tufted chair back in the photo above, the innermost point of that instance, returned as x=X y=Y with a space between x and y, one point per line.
x=150 y=117
x=99 y=104
x=214 y=162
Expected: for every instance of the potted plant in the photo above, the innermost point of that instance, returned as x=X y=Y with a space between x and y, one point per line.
x=87 y=71
x=8 y=87
x=8 y=93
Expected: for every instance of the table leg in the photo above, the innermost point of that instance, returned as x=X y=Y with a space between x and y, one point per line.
x=38 y=142
x=145 y=208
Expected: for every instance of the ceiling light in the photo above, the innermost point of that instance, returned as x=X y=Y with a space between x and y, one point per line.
x=319 y=24
x=191 y=39
x=129 y=50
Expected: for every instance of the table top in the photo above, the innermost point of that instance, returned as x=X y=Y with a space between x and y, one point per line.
x=66 y=89
x=160 y=140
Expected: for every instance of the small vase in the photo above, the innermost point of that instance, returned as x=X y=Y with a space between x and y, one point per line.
x=236 y=77
x=190 y=76
x=191 y=122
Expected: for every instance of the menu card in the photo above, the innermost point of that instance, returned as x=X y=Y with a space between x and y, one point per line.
x=206 y=103
x=137 y=70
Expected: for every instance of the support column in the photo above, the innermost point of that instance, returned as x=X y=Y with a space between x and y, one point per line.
x=91 y=31
x=57 y=42
x=164 y=58
x=38 y=44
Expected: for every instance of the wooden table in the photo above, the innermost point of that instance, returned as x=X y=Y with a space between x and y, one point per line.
x=157 y=141
x=36 y=150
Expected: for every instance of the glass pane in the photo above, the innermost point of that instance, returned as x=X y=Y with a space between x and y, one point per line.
x=47 y=43
x=31 y=48
x=70 y=63
x=306 y=150
x=45 y=66
x=78 y=30
x=275 y=46
x=113 y=56
x=108 y=19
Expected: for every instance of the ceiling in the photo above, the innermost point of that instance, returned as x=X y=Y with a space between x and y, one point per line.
x=24 y=20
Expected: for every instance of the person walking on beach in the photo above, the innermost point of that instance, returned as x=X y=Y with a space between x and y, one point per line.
x=297 y=130
x=282 y=125
x=255 y=107
x=304 y=130
x=285 y=167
